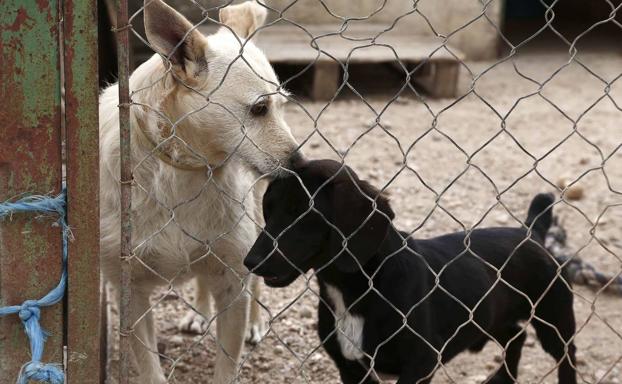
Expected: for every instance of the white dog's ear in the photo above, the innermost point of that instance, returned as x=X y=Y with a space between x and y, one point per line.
x=243 y=18
x=165 y=29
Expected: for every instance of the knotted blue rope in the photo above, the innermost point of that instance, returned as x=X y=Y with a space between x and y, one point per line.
x=30 y=311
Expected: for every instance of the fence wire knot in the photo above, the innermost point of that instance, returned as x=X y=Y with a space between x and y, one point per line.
x=119 y=29
x=30 y=311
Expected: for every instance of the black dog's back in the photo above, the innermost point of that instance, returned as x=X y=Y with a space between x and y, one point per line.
x=518 y=258
x=505 y=266
x=515 y=252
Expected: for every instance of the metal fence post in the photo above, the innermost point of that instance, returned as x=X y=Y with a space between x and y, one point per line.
x=30 y=161
x=82 y=159
x=122 y=29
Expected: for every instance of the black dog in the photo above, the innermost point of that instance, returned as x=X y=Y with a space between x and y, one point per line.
x=408 y=304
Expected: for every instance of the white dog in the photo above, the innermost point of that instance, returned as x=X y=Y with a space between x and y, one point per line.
x=203 y=121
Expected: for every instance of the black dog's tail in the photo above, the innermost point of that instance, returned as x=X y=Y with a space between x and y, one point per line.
x=540 y=214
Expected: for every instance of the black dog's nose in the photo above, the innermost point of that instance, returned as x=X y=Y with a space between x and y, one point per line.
x=251 y=262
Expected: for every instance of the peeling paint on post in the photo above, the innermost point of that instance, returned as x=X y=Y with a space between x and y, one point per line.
x=30 y=161
x=82 y=148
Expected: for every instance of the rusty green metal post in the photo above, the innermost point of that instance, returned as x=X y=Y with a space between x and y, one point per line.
x=30 y=161
x=125 y=326
x=82 y=159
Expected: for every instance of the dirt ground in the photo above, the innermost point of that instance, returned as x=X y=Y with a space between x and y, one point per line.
x=468 y=160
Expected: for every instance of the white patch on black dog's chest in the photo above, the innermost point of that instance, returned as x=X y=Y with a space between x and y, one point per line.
x=349 y=327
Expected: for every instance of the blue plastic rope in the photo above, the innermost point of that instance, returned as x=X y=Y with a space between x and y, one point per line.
x=30 y=311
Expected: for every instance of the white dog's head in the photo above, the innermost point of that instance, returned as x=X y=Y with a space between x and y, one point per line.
x=225 y=100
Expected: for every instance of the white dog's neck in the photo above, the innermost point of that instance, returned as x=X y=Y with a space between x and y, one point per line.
x=152 y=132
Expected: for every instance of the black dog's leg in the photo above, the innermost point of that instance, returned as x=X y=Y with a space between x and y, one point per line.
x=554 y=346
x=351 y=372
x=512 y=339
x=556 y=309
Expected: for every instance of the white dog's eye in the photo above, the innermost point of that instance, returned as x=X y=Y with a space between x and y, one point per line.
x=259 y=109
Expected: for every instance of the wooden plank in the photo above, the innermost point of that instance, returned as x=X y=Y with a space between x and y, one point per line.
x=440 y=79
x=325 y=80
x=285 y=43
x=30 y=161
x=82 y=148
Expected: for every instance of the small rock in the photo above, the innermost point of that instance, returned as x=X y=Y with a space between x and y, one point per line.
x=573 y=192
x=580 y=361
x=170 y=296
x=498 y=358
x=161 y=348
x=388 y=125
x=176 y=340
x=452 y=204
x=584 y=161
x=181 y=367
x=602 y=221
x=306 y=312
x=477 y=379
x=168 y=326
x=490 y=366
x=316 y=357
x=278 y=350
x=530 y=343
x=314 y=145
x=502 y=219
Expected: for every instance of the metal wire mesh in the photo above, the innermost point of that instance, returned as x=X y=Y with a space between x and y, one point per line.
x=202 y=151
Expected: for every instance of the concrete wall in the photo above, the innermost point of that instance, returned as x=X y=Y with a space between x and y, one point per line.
x=478 y=40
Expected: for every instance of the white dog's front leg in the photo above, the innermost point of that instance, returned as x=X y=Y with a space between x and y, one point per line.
x=232 y=306
x=197 y=321
x=146 y=367
x=256 y=327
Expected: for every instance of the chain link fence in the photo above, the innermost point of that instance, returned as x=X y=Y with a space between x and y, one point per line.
x=457 y=144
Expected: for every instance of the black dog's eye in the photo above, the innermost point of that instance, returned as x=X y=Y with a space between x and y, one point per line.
x=259 y=109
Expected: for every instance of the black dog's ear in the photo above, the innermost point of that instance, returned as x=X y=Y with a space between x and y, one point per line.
x=354 y=212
